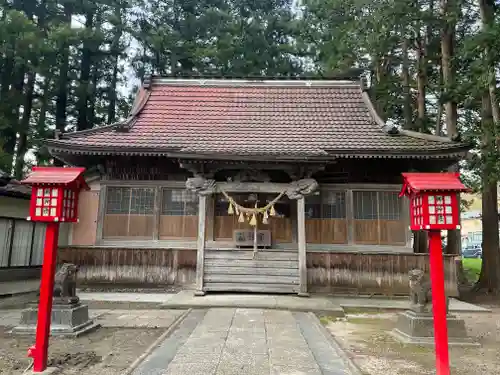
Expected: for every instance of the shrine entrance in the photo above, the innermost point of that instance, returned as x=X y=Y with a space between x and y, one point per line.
x=263 y=225
x=264 y=253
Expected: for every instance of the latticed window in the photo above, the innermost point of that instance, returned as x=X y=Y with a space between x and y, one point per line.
x=378 y=218
x=326 y=205
x=129 y=212
x=138 y=201
x=177 y=202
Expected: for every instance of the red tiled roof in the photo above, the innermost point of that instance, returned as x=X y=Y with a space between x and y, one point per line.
x=55 y=175
x=446 y=181
x=253 y=118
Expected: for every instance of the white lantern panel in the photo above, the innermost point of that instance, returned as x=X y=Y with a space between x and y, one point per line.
x=447 y=199
x=39 y=201
x=72 y=213
x=440 y=219
x=449 y=219
x=46 y=192
x=53 y=211
x=439 y=199
x=46 y=201
x=430 y=199
x=432 y=209
x=449 y=210
x=54 y=202
x=45 y=211
x=39 y=192
x=55 y=192
x=432 y=219
x=38 y=211
x=439 y=209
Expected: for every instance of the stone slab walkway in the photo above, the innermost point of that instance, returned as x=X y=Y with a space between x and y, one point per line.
x=18 y=287
x=111 y=318
x=224 y=341
x=315 y=303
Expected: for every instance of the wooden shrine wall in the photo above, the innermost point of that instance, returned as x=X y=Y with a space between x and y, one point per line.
x=328 y=272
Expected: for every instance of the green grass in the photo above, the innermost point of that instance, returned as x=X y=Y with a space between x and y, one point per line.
x=472 y=268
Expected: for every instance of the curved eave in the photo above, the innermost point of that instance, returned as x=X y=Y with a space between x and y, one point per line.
x=451 y=153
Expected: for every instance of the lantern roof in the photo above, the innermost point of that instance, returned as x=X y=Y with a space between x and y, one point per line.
x=420 y=182
x=56 y=176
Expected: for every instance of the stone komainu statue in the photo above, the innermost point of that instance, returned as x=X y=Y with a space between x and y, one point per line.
x=65 y=282
x=421 y=292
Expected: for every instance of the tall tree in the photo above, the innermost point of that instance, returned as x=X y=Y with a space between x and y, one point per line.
x=489 y=278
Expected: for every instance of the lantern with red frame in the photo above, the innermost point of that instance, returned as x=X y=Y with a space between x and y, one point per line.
x=433 y=198
x=54 y=195
x=54 y=199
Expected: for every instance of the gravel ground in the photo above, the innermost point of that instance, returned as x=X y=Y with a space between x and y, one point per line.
x=107 y=351
x=366 y=339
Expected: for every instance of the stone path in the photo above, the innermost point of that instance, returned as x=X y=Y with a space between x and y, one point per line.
x=111 y=318
x=329 y=304
x=224 y=341
x=18 y=287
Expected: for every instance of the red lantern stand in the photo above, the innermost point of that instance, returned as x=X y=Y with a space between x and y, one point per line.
x=434 y=206
x=54 y=199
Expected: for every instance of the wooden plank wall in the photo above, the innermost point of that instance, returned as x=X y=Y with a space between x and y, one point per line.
x=358 y=273
x=336 y=273
x=281 y=228
x=131 y=266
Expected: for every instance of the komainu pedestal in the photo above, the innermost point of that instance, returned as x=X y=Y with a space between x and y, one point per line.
x=416 y=326
x=69 y=316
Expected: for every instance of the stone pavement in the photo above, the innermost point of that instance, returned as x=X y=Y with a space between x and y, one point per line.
x=332 y=305
x=18 y=287
x=222 y=341
x=111 y=318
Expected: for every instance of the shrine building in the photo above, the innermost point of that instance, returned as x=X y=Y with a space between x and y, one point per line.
x=274 y=186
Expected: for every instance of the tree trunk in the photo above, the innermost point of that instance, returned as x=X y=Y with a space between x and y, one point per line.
x=487 y=12
x=115 y=51
x=420 y=242
x=22 y=144
x=447 y=48
x=62 y=84
x=450 y=105
x=405 y=75
x=489 y=278
x=421 y=83
x=83 y=90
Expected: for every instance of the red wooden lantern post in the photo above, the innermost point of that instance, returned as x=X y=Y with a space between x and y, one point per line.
x=434 y=206
x=54 y=199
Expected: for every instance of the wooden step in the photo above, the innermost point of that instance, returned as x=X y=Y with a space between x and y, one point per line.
x=251 y=288
x=253 y=279
x=245 y=263
x=249 y=255
x=220 y=270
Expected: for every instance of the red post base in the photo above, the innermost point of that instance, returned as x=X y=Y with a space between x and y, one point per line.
x=39 y=351
x=439 y=303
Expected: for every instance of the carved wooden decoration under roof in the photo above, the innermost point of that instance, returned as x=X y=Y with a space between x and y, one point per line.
x=250 y=175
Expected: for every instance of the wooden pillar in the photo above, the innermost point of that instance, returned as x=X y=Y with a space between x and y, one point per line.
x=200 y=248
x=301 y=240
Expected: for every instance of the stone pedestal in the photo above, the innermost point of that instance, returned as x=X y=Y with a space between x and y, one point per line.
x=69 y=318
x=418 y=328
